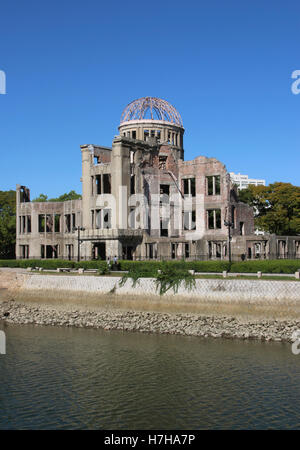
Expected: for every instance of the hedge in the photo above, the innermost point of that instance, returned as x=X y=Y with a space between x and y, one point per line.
x=44 y=263
x=267 y=266
x=198 y=266
x=149 y=268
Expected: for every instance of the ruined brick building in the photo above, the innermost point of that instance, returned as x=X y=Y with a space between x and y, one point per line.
x=142 y=200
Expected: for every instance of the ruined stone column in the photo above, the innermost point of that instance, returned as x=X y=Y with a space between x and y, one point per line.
x=86 y=185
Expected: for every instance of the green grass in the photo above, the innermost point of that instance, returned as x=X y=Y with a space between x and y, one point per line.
x=155 y=275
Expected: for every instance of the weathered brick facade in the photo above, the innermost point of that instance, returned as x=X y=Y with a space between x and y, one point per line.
x=141 y=200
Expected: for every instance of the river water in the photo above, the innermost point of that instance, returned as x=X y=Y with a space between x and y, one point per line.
x=71 y=378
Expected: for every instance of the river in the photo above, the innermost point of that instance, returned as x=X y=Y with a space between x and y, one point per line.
x=74 y=378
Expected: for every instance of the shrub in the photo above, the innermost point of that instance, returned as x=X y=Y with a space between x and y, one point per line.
x=266 y=266
x=171 y=277
x=198 y=266
x=9 y=263
x=209 y=266
x=139 y=270
x=143 y=266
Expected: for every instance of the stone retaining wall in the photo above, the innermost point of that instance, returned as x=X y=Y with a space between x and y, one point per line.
x=246 y=309
x=229 y=291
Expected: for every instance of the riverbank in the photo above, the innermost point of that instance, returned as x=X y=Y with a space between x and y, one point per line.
x=245 y=309
x=150 y=322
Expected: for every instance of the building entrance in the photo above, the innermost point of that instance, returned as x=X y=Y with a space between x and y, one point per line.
x=99 y=251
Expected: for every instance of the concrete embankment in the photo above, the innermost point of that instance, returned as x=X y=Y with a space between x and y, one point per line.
x=268 y=310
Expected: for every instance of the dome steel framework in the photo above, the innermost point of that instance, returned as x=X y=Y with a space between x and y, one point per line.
x=155 y=108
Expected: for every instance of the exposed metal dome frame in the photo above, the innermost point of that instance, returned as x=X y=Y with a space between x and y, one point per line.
x=158 y=108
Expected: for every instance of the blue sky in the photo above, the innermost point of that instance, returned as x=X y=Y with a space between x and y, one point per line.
x=71 y=68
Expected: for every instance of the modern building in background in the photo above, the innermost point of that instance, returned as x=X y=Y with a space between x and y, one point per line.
x=243 y=181
x=142 y=200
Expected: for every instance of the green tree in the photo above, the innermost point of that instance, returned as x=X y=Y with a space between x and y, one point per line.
x=72 y=195
x=276 y=207
x=41 y=198
x=7 y=224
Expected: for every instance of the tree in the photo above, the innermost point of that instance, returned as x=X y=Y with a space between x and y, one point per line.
x=276 y=207
x=72 y=195
x=41 y=198
x=8 y=219
x=7 y=224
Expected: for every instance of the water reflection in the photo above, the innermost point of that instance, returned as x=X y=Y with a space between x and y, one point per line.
x=54 y=377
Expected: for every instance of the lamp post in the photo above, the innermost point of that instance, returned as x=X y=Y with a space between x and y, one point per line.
x=229 y=225
x=78 y=229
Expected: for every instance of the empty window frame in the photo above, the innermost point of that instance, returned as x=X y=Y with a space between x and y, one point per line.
x=49 y=251
x=164 y=225
x=24 y=224
x=41 y=226
x=242 y=229
x=132 y=218
x=69 y=251
x=98 y=218
x=151 y=251
x=28 y=224
x=132 y=184
x=49 y=223
x=106 y=218
x=57 y=223
x=67 y=223
x=213 y=185
x=189 y=186
x=214 y=219
x=24 y=251
x=189 y=220
x=98 y=184
x=162 y=162
x=164 y=189
x=174 y=248
x=187 y=250
x=106 y=183
x=233 y=216
x=102 y=218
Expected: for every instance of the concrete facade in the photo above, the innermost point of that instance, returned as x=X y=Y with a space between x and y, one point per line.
x=142 y=200
x=243 y=181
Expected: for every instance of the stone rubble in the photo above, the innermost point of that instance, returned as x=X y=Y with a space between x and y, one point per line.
x=150 y=322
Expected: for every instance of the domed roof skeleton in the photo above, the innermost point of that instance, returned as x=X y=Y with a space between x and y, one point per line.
x=137 y=110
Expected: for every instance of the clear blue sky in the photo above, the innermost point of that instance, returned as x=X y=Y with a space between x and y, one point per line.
x=72 y=66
